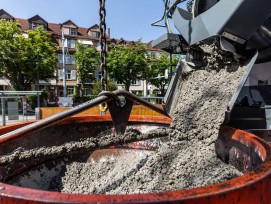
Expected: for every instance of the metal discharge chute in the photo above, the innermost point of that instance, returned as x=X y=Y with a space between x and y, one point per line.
x=241 y=27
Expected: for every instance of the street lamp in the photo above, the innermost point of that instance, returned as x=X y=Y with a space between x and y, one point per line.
x=63 y=66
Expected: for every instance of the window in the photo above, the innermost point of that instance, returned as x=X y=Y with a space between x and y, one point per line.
x=60 y=74
x=98 y=34
x=119 y=83
x=66 y=30
x=86 y=91
x=70 y=74
x=69 y=59
x=60 y=60
x=98 y=75
x=73 y=31
x=70 y=90
x=135 y=82
x=89 y=81
x=69 y=43
x=153 y=55
x=95 y=34
x=69 y=31
x=36 y=25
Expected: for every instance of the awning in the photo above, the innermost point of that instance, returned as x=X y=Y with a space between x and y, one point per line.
x=4 y=82
x=86 y=42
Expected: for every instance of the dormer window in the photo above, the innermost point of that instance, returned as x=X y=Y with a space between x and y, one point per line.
x=94 y=31
x=73 y=31
x=36 y=25
x=6 y=15
x=69 y=28
x=69 y=31
x=95 y=34
x=36 y=21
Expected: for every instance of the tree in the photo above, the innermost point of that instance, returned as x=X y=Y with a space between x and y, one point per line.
x=23 y=56
x=97 y=86
x=128 y=63
x=87 y=60
x=158 y=69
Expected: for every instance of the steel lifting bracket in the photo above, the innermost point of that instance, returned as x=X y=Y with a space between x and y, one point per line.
x=120 y=112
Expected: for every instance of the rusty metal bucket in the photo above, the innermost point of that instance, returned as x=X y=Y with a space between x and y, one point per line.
x=245 y=151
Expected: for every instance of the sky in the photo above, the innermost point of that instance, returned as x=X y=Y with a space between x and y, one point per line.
x=130 y=19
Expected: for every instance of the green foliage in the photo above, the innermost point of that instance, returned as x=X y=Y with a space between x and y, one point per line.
x=87 y=60
x=97 y=86
x=22 y=55
x=158 y=67
x=32 y=99
x=127 y=63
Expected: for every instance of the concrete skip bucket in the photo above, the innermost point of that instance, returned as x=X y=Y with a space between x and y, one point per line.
x=245 y=151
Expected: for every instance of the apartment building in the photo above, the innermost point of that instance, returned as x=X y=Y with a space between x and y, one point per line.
x=72 y=33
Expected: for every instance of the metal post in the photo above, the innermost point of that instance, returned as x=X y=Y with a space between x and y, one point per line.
x=38 y=88
x=146 y=87
x=63 y=66
x=3 y=111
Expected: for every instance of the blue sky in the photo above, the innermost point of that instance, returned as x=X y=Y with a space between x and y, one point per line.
x=130 y=19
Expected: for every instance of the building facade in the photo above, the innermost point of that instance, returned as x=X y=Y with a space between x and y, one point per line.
x=72 y=34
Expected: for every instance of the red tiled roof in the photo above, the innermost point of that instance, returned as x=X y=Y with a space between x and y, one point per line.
x=55 y=28
x=83 y=31
x=148 y=44
x=24 y=24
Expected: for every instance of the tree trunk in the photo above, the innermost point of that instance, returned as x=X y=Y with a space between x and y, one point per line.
x=127 y=85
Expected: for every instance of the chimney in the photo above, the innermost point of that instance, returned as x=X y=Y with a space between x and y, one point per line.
x=108 y=33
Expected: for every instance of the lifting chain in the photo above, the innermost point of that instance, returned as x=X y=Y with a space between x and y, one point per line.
x=103 y=44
